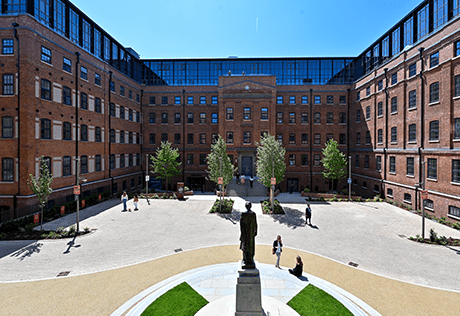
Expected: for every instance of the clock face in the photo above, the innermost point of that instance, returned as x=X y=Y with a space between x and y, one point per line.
x=247 y=87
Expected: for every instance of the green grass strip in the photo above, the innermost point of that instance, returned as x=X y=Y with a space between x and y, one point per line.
x=312 y=301
x=181 y=300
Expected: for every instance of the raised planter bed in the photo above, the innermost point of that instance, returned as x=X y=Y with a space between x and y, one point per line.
x=328 y=196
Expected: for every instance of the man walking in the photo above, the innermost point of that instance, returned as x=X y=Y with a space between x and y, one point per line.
x=308 y=215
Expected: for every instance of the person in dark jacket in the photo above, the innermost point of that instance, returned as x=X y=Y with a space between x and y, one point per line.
x=277 y=248
x=308 y=215
x=297 y=271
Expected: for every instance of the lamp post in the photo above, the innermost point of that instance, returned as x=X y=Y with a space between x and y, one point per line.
x=423 y=204
x=220 y=186
x=147 y=178
x=349 y=178
x=77 y=196
x=272 y=194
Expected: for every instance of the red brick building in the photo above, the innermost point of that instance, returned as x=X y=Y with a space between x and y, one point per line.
x=73 y=94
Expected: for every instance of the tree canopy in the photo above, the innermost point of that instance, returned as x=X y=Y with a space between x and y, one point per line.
x=165 y=162
x=334 y=161
x=219 y=153
x=270 y=160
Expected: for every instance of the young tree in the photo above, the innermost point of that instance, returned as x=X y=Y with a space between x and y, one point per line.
x=219 y=164
x=270 y=162
x=165 y=162
x=334 y=162
x=41 y=186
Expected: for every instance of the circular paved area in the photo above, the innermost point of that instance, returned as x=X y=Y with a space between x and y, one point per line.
x=131 y=251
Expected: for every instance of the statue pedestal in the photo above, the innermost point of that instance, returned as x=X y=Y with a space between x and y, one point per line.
x=248 y=292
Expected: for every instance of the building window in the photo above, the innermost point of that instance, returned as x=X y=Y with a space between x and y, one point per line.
x=304 y=99
x=202 y=118
x=410 y=166
x=457 y=43
x=304 y=160
x=434 y=130
x=304 y=118
x=66 y=166
x=407 y=198
x=8 y=84
x=454 y=211
x=130 y=137
x=279 y=99
x=330 y=99
x=164 y=118
x=84 y=164
x=342 y=118
x=380 y=136
x=229 y=114
x=45 y=129
x=279 y=117
x=304 y=139
x=358 y=116
x=151 y=100
x=45 y=89
x=214 y=119
x=190 y=159
x=98 y=163
x=317 y=160
x=457 y=128
x=380 y=109
x=152 y=118
x=112 y=109
x=358 y=138
x=202 y=100
x=214 y=100
x=291 y=160
x=342 y=99
x=292 y=99
x=137 y=97
x=112 y=161
x=317 y=99
x=84 y=133
x=122 y=91
x=152 y=139
x=246 y=113
x=190 y=138
x=394 y=78
x=164 y=100
x=112 y=86
x=67 y=131
x=392 y=164
x=368 y=91
x=202 y=138
x=368 y=112
x=342 y=139
x=394 y=134
x=122 y=160
x=368 y=137
x=46 y=55
x=214 y=138
x=202 y=159
x=189 y=118
x=279 y=138
x=390 y=192
x=97 y=79
x=434 y=92
x=83 y=73
x=457 y=86
x=412 y=132
x=292 y=138
x=84 y=101
x=380 y=85
x=317 y=139
x=7 y=127
x=394 y=105
x=130 y=95
x=412 y=99
x=98 y=137
x=246 y=137
x=422 y=18
x=378 y=163
x=292 y=118
x=112 y=135
x=74 y=26
x=428 y=204
x=329 y=136
x=67 y=65
x=229 y=138
x=7 y=46
x=434 y=60
x=66 y=96
x=189 y=100
x=432 y=168
x=264 y=114
x=130 y=160
x=317 y=118
x=456 y=170
x=329 y=118
x=412 y=69
x=122 y=112
x=122 y=137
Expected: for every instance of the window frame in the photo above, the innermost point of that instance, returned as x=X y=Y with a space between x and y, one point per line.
x=46 y=55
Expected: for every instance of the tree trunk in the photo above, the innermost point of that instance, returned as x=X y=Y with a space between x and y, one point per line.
x=41 y=217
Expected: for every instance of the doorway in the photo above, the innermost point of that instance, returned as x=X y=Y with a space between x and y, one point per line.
x=292 y=185
x=246 y=166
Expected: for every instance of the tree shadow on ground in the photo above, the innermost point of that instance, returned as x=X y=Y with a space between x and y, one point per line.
x=453 y=249
x=27 y=251
x=292 y=219
x=233 y=217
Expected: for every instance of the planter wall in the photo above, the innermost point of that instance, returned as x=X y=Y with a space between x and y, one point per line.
x=327 y=196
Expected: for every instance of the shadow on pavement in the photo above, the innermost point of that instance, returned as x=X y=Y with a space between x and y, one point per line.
x=71 y=244
x=27 y=251
x=292 y=219
x=233 y=217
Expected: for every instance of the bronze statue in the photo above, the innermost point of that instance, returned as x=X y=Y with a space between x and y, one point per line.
x=248 y=228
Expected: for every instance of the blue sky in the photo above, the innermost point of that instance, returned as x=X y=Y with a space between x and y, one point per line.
x=246 y=28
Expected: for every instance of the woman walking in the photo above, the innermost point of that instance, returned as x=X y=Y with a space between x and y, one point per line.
x=135 y=200
x=277 y=245
x=124 y=199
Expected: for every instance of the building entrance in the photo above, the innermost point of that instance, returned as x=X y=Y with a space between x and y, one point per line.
x=292 y=185
x=246 y=166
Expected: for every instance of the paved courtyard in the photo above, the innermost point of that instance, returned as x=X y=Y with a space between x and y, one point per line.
x=167 y=237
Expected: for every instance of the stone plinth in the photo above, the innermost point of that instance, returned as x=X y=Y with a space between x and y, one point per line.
x=248 y=292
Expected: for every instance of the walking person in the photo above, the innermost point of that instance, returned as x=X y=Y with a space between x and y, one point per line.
x=297 y=271
x=251 y=181
x=277 y=245
x=124 y=199
x=136 y=201
x=308 y=215
x=237 y=178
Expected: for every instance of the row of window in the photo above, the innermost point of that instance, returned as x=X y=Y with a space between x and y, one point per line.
x=316 y=100
x=177 y=100
x=124 y=113
x=177 y=118
x=123 y=137
x=8 y=84
x=434 y=133
x=124 y=161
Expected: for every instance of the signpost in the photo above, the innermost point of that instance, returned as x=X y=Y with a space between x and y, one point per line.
x=76 y=189
x=62 y=210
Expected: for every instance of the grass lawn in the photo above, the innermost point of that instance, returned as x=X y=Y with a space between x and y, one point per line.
x=181 y=300
x=313 y=301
